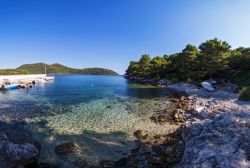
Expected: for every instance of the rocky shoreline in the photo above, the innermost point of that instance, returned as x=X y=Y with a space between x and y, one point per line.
x=153 y=82
x=213 y=131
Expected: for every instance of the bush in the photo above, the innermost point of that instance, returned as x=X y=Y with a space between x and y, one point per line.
x=245 y=94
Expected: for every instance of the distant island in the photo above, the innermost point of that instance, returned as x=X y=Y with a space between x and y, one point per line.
x=56 y=68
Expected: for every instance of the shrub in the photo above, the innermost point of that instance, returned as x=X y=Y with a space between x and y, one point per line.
x=245 y=94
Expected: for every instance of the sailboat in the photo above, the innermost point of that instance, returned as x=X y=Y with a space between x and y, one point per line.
x=48 y=78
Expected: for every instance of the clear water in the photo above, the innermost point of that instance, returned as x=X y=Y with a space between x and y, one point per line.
x=99 y=113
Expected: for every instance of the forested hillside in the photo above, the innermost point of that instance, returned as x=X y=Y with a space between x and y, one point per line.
x=213 y=59
x=40 y=68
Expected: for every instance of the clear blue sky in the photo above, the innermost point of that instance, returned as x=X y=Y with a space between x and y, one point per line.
x=110 y=33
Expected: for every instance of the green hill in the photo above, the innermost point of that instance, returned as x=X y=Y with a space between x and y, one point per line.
x=39 y=68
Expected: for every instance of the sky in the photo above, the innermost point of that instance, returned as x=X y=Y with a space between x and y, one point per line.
x=111 y=33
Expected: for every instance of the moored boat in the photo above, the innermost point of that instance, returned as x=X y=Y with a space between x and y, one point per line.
x=49 y=78
x=11 y=87
x=22 y=85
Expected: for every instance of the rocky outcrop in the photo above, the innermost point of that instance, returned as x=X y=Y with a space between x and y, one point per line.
x=216 y=130
x=155 y=82
x=175 y=111
x=17 y=149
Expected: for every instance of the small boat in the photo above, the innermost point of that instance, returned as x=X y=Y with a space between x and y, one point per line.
x=207 y=86
x=11 y=87
x=1 y=87
x=49 y=78
x=22 y=85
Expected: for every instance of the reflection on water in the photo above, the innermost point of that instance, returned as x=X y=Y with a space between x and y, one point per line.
x=99 y=113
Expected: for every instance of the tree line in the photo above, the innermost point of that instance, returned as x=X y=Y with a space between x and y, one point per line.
x=213 y=59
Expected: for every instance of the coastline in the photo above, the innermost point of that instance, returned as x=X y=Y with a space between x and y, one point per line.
x=216 y=129
x=213 y=130
x=210 y=128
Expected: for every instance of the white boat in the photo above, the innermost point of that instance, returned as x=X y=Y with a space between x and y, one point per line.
x=207 y=86
x=48 y=78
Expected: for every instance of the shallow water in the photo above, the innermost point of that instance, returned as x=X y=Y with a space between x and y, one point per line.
x=99 y=113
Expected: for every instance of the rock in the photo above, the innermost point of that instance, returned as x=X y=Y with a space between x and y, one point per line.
x=67 y=148
x=22 y=152
x=21 y=138
x=157 y=161
x=121 y=162
x=164 y=82
x=139 y=134
x=17 y=149
x=107 y=164
x=82 y=163
x=198 y=109
x=42 y=165
x=3 y=106
x=109 y=107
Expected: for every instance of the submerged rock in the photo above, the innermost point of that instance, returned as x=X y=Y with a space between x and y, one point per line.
x=67 y=148
x=47 y=165
x=157 y=151
x=18 y=137
x=140 y=134
x=17 y=149
x=109 y=107
x=107 y=164
x=21 y=152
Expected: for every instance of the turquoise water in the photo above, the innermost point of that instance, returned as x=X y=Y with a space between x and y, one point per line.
x=99 y=113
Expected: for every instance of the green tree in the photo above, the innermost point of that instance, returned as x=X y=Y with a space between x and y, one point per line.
x=239 y=62
x=240 y=59
x=212 y=57
x=188 y=56
x=144 y=66
x=133 y=69
x=158 y=65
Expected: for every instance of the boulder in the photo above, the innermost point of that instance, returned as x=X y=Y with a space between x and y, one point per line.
x=22 y=137
x=107 y=164
x=67 y=148
x=17 y=149
x=109 y=107
x=22 y=152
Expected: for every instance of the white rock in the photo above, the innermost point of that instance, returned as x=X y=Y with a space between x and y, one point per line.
x=198 y=108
